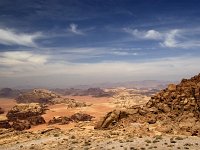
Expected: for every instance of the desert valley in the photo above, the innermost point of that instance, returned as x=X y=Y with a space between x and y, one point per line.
x=117 y=118
x=99 y=75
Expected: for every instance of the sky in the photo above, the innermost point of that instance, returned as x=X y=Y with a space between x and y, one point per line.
x=61 y=43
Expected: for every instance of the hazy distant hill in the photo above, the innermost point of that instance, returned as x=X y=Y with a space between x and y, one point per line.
x=149 y=84
x=9 y=93
x=95 y=92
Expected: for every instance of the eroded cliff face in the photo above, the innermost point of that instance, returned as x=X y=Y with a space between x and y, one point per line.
x=175 y=110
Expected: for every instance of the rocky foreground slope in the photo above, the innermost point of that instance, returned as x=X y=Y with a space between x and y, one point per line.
x=174 y=110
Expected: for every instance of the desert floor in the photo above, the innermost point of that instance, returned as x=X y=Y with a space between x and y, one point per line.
x=82 y=135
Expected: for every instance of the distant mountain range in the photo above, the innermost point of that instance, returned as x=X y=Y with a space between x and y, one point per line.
x=145 y=84
x=94 y=89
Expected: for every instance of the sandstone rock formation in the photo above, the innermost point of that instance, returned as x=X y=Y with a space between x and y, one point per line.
x=24 y=111
x=37 y=96
x=22 y=116
x=174 y=110
x=44 y=96
x=110 y=119
x=21 y=125
x=127 y=98
x=81 y=117
x=60 y=120
x=75 y=117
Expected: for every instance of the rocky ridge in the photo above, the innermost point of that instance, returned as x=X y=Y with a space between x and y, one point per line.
x=44 y=96
x=174 y=110
x=23 y=116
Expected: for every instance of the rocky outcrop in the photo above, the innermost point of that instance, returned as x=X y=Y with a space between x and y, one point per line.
x=60 y=120
x=43 y=96
x=25 y=111
x=81 y=117
x=37 y=96
x=75 y=117
x=175 y=109
x=23 y=116
x=21 y=125
x=111 y=119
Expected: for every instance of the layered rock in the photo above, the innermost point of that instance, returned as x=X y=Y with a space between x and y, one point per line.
x=175 y=109
x=22 y=116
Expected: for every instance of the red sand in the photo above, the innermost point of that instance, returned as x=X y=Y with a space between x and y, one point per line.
x=7 y=104
x=100 y=106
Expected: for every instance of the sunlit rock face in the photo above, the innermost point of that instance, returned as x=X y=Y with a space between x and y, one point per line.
x=174 y=110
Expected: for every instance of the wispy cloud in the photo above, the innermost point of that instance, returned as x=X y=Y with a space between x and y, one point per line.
x=11 y=37
x=150 y=34
x=173 y=38
x=73 y=28
x=170 y=39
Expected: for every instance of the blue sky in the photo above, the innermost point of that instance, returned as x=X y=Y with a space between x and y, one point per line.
x=59 y=43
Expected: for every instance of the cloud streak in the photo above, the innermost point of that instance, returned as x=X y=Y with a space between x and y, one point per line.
x=30 y=64
x=10 y=37
x=21 y=58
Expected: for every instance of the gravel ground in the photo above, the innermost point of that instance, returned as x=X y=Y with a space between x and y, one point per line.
x=82 y=138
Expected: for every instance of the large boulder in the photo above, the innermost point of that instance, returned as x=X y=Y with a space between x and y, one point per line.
x=111 y=119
